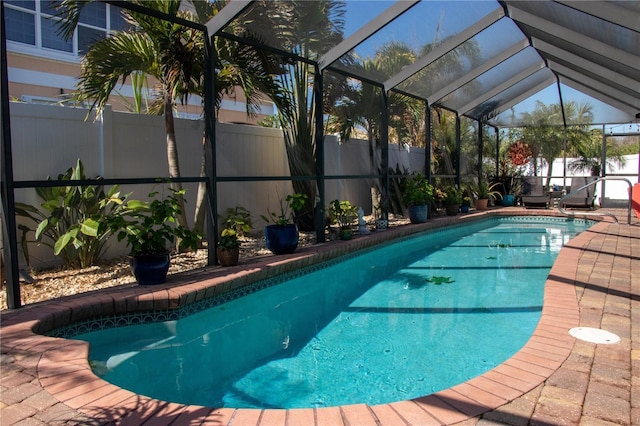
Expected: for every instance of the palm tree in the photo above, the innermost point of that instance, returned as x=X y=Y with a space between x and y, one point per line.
x=307 y=29
x=589 y=155
x=240 y=66
x=174 y=56
x=545 y=133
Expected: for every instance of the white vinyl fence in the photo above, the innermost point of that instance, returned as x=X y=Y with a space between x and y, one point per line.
x=610 y=193
x=47 y=140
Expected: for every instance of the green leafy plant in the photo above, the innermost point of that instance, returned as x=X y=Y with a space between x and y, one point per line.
x=484 y=189
x=289 y=206
x=417 y=191
x=149 y=227
x=466 y=201
x=381 y=210
x=237 y=223
x=343 y=213
x=73 y=220
x=452 y=195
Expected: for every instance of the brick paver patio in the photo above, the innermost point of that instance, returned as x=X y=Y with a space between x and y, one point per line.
x=554 y=380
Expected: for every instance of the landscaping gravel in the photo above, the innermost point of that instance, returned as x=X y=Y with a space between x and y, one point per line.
x=54 y=283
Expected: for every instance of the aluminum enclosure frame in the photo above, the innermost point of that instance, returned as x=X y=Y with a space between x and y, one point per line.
x=583 y=61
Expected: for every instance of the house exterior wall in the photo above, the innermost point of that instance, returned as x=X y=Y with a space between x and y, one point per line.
x=40 y=73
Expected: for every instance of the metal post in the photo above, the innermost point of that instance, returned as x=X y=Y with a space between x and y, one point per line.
x=7 y=196
x=603 y=162
x=564 y=135
x=480 y=150
x=318 y=87
x=428 y=140
x=497 y=151
x=210 y=149
x=458 y=155
x=384 y=146
x=384 y=143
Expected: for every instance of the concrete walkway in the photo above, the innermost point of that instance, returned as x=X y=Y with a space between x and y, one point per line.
x=554 y=380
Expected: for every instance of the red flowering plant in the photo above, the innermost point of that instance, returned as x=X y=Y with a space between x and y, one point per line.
x=518 y=155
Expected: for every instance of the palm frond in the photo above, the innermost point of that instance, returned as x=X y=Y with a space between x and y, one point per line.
x=111 y=60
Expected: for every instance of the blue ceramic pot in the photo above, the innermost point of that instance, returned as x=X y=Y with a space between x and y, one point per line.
x=281 y=239
x=508 y=200
x=418 y=214
x=150 y=269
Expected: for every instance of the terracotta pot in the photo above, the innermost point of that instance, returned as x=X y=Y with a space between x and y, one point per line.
x=481 y=203
x=228 y=257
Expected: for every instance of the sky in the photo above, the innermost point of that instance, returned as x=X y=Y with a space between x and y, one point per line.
x=430 y=19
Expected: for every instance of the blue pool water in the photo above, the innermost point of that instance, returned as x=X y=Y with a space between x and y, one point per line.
x=397 y=322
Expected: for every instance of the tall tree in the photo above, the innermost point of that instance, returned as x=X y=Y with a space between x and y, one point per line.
x=174 y=56
x=588 y=151
x=545 y=132
x=307 y=29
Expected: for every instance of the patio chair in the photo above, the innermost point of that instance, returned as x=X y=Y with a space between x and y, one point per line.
x=533 y=193
x=583 y=199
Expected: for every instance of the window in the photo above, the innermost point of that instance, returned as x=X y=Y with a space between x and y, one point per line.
x=94 y=14
x=25 y=4
x=21 y=26
x=88 y=36
x=34 y=23
x=50 y=37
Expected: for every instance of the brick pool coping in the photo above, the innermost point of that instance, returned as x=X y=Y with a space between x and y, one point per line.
x=63 y=369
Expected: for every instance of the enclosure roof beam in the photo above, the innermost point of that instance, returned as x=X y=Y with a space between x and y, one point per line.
x=446 y=46
x=502 y=87
x=363 y=33
x=597 y=95
x=608 y=11
x=226 y=15
x=551 y=30
x=477 y=71
x=580 y=64
x=610 y=93
x=525 y=95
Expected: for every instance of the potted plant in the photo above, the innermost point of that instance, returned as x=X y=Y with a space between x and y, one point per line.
x=281 y=237
x=148 y=229
x=437 y=200
x=513 y=189
x=236 y=223
x=344 y=214
x=417 y=194
x=381 y=212
x=466 y=204
x=484 y=191
x=452 y=200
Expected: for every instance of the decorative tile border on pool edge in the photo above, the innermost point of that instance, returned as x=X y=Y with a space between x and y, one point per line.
x=136 y=318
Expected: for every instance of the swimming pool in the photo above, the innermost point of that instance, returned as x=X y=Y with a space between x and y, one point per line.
x=438 y=289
